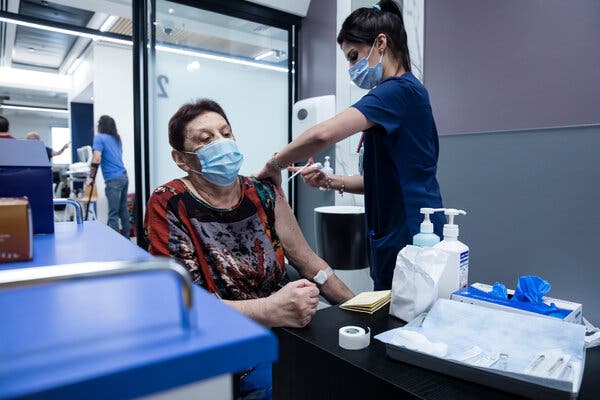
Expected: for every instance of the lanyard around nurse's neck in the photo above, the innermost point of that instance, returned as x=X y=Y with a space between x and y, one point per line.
x=360 y=142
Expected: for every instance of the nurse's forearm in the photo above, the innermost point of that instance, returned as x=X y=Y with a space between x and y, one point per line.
x=351 y=184
x=313 y=141
x=322 y=136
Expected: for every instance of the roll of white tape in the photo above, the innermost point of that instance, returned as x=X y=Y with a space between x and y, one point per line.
x=354 y=337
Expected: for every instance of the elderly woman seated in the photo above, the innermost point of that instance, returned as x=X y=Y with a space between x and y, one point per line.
x=231 y=232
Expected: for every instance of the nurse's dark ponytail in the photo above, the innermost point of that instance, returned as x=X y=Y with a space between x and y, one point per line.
x=364 y=24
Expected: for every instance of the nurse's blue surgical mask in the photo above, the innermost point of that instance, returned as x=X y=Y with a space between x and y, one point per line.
x=364 y=76
x=220 y=160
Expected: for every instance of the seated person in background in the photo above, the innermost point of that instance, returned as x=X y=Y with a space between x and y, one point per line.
x=4 y=125
x=231 y=232
x=49 y=151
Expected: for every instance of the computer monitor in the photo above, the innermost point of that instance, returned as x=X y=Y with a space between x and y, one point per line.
x=85 y=154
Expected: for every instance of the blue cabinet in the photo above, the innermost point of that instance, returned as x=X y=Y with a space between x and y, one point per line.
x=118 y=336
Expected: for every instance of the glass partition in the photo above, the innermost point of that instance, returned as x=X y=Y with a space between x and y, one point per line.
x=241 y=64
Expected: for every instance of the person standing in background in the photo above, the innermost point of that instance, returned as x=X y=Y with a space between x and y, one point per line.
x=49 y=151
x=108 y=154
x=4 y=125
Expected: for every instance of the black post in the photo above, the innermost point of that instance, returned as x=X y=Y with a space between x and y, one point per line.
x=140 y=112
x=293 y=98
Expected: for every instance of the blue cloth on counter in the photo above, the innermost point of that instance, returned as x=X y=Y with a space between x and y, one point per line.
x=400 y=165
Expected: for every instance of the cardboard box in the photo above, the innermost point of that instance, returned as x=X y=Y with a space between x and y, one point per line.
x=26 y=172
x=16 y=232
x=470 y=296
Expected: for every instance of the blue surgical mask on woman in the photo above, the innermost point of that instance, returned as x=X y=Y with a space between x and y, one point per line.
x=220 y=160
x=364 y=76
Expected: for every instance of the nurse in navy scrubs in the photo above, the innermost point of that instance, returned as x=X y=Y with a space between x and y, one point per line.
x=400 y=137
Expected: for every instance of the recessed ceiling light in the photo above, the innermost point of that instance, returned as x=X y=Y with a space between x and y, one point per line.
x=64 y=30
x=74 y=66
x=193 y=66
x=31 y=49
x=215 y=57
x=28 y=108
x=171 y=10
x=108 y=23
x=264 y=55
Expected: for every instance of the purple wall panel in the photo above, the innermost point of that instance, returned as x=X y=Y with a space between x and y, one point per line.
x=496 y=65
x=316 y=59
x=317 y=47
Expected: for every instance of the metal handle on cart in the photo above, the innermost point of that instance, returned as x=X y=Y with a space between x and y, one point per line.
x=69 y=202
x=26 y=277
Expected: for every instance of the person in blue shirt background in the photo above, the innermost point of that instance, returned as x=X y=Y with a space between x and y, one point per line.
x=108 y=154
x=400 y=137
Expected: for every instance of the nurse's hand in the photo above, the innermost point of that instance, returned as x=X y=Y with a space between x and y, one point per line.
x=312 y=176
x=293 y=305
x=271 y=173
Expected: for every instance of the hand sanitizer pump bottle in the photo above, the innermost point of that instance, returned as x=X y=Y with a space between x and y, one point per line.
x=327 y=170
x=426 y=238
x=456 y=273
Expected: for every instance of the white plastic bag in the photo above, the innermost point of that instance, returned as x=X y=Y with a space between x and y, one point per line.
x=415 y=283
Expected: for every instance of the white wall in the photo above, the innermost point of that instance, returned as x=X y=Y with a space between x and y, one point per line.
x=255 y=101
x=35 y=80
x=113 y=95
x=83 y=75
x=23 y=122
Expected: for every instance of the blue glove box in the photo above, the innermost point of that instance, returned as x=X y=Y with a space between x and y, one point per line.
x=472 y=295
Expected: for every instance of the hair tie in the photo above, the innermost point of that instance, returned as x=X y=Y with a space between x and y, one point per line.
x=377 y=7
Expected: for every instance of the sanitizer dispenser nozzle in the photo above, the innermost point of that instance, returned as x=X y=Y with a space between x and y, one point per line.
x=327 y=166
x=451 y=229
x=427 y=225
x=426 y=238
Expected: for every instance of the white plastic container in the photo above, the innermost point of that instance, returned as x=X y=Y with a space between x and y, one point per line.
x=456 y=273
x=327 y=170
x=426 y=238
